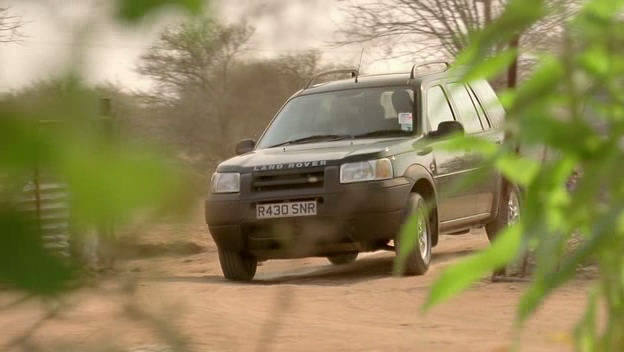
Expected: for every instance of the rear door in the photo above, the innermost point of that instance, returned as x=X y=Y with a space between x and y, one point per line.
x=492 y=113
x=448 y=167
x=470 y=113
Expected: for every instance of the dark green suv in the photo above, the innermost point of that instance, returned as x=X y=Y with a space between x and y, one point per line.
x=343 y=164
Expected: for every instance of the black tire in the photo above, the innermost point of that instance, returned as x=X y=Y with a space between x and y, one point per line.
x=342 y=259
x=494 y=227
x=416 y=263
x=237 y=266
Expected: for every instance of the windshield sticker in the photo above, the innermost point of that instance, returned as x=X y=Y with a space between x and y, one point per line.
x=405 y=118
x=406 y=121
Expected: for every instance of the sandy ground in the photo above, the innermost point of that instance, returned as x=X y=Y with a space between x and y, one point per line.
x=294 y=305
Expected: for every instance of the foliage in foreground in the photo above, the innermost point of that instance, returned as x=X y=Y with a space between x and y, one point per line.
x=549 y=109
x=109 y=180
x=573 y=104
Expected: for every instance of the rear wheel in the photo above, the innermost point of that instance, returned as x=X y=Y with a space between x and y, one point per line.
x=237 y=266
x=417 y=241
x=342 y=259
x=508 y=212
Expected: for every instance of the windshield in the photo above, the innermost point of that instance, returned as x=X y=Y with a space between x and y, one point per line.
x=355 y=113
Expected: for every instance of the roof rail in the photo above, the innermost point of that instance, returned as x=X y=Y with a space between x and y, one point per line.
x=425 y=63
x=353 y=71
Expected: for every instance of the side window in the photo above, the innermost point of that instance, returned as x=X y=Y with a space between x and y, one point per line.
x=466 y=109
x=481 y=112
x=489 y=101
x=438 y=108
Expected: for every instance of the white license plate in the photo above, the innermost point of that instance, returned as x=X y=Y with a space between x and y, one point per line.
x=285 y=210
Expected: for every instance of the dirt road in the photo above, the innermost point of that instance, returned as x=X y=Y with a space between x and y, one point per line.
x=298 y=305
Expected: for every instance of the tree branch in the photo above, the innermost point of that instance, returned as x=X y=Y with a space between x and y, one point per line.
x=450 y=22
x=10 y=26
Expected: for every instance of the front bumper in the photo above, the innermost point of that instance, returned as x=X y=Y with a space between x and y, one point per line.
x=346 y=213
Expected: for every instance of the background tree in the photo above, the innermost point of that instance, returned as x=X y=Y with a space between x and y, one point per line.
x=210 y=94
x=440 y=29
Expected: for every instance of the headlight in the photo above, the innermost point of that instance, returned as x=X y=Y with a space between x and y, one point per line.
x=228 y=182
x=366 y=171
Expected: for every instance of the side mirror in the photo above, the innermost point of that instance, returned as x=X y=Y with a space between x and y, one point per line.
x=446 y=128
x=245 y=146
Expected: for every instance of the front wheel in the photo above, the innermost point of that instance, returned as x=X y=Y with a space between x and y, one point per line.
x=415 y=245
x=237 y=266
x=508 y=211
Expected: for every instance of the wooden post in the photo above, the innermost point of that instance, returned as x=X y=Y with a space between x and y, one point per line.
x=106 y=231
x=106 y=118
x=512 y=82
x=512 y=73
x=37 y=190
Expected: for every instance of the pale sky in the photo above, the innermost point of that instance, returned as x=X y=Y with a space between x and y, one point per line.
x=111 y=51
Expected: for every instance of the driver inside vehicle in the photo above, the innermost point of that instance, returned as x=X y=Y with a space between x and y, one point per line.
x=402 y=101
x=366 y=112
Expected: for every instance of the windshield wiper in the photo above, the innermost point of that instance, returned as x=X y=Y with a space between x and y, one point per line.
x=317 y=137
x=382 y=133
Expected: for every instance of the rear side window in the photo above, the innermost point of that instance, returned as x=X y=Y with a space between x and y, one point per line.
x=467 y=111
x=482 y=115
x=488 y=99
x=438 y=108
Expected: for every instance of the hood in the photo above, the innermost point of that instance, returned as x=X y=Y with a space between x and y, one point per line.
x=312 y=154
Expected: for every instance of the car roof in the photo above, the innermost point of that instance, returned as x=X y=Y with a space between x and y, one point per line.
x=374 y=80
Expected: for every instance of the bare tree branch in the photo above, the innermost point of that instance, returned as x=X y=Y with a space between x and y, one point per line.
x=450 y=22
x=10 y=26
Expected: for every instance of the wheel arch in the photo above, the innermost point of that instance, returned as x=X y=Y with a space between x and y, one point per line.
x=424 y=185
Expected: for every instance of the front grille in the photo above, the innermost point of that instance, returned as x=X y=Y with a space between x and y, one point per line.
x=267 y=182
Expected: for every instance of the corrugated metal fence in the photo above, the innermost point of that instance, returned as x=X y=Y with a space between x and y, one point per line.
x=45 y=198
x=47 y=201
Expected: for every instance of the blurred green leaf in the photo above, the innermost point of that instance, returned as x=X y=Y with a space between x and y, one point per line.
x=586 y=333
x=460 y=276
x=519 y=170
x=19 y=146
x=24 y=262
x=543 y=285
x=463 y=142
x=517 y=16
x=549 y=110
x=507 y=98
x=505 y=161
x=115 y=185
x=491 y=66
x=576 y=138
x=135 y=10
x=540 y=85
x=603 y=9
x=596 y=60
